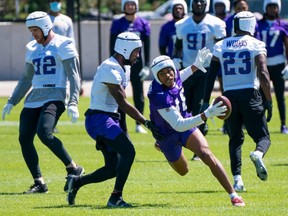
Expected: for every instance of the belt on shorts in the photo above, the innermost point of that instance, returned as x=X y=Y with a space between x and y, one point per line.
x=111 y=114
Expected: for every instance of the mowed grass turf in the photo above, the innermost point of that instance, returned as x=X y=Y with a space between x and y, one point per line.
x=153 y=188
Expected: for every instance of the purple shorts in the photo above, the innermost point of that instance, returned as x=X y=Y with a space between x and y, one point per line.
x=171 y=146
x=102 y=125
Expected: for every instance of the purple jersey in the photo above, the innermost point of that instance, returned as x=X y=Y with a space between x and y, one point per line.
x=272 y=33
x=229 y=25
x=167 y=37
x=161 y=97
x=140 y=27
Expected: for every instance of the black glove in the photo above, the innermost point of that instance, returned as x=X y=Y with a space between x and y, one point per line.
x=268 y=106
x=148 y=124
x=203 y=107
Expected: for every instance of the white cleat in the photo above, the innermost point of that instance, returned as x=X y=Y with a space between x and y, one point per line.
x=259 y=165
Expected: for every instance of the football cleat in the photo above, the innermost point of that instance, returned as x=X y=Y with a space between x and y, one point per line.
x=237 y=201
x=72 y=190
x=259 y=165
x=79 y=171
x=117 y=203
x=37 y=187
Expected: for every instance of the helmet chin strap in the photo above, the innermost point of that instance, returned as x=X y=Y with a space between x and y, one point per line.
x=129 y=13
x=127 y=62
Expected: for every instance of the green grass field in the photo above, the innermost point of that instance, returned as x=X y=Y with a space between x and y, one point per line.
x=153 y=188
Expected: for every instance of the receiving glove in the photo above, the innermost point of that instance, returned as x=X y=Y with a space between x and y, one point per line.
x=144 y=73
x=150 y=126
x=268 y=106
x=73 y=113
x=6 y=110
x=178 y=63
x=215 y=110
x=285 y=73
x=202 y=56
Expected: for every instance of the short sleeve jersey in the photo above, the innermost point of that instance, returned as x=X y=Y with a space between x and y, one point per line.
x=272 y=33
x=195 y=36
x=47 y=61
x=108 y=72
x=161 y=97
x=237 y=57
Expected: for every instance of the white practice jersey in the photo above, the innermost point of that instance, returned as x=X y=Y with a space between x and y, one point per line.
x=196 y=36
x=47 y=61
x=46 y=73
x=108 y=72
x=237 y=57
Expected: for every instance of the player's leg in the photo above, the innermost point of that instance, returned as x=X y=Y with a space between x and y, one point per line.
x=180 y=165
x=172 y=149
x=49 y=116
x=253 y=115
x=138 y=91
x=27 y=131
x=236 y=138
x=199 y=145
x=279 y=88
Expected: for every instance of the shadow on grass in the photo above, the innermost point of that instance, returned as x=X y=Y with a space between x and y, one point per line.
x=134 y=206
x=11 y=193
x=284 y=164
x=151 y=161
x=189 y=192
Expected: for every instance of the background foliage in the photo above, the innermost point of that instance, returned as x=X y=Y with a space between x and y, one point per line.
x=8 y=8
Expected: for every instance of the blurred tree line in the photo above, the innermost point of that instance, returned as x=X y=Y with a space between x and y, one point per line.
x=17 y=10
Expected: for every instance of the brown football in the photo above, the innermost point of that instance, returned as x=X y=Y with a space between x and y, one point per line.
x=225 y=102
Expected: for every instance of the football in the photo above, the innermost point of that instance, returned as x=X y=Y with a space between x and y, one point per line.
x=225 y=102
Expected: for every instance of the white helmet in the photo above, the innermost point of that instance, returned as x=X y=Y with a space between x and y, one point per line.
x=177 y=2
x=41 y=20
x=225 y=2
x=245 y=21
x=123 y=2
x=206 y=8
x=126 y=43
x=267 y=2
x=159 y=63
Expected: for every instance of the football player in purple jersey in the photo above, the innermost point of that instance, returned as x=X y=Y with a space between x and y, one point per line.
x=242 y=59
x=167 y=36
x=168 y=111
x=274 y=32
x=140 y=70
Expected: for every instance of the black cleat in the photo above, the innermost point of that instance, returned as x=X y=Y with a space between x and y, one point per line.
x=72 y=189
x=79 y=171
x=37 y=187
x=117 y=203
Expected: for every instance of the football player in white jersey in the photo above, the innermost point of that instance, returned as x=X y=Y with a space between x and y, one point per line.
x=194 y=33
x=51 y=60
x=242 y=59
x=102 y=120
